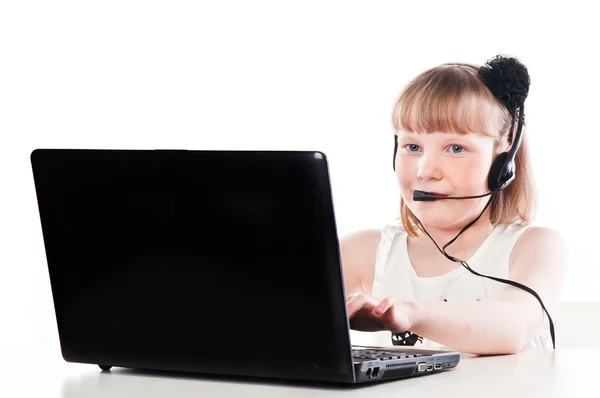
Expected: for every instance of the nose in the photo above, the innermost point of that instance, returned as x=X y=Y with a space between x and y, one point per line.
x=428 y=168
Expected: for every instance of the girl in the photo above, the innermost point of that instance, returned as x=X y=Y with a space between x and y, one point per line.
x=450 y=123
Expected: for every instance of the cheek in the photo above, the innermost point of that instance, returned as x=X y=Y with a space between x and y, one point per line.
x=472 y=173
x=405 y=175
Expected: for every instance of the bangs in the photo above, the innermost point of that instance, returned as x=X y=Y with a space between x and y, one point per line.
x=449 y=100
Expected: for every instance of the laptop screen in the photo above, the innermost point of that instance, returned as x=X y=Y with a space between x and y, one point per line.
x=211 y=261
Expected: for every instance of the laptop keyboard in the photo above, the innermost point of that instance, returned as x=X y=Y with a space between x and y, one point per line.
x=382 y=354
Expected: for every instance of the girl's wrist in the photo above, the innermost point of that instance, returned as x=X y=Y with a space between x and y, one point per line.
x=414 y=314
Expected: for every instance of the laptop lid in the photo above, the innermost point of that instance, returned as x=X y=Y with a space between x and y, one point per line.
x=223 y=262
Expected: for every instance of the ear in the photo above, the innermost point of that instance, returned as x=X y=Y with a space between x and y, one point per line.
x=500 y=145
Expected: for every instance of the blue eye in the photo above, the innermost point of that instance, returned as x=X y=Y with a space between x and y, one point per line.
x=412 y=147
x=457 y=149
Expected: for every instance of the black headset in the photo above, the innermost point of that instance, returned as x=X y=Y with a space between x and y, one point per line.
x=503 y=170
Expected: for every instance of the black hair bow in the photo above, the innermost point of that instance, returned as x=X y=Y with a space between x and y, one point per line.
x=507 y=79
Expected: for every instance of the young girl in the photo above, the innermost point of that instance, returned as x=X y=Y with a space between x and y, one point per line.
x=450 y=124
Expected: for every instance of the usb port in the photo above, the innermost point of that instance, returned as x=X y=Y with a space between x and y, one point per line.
x=422 y=367
x=429 y=367
x=437 y=366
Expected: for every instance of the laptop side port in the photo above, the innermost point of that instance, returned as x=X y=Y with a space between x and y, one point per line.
x=437 y=366
x=422 y=367
x=429 y=367
x=375 y=372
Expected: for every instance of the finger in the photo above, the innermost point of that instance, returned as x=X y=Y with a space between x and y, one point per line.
x=359 y=302
x=384 y=305
x=394 y=318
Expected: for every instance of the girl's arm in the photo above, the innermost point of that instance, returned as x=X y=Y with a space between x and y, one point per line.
x=499 y=326
x=358 y=251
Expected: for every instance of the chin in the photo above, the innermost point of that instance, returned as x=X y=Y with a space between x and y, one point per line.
x=434 y=213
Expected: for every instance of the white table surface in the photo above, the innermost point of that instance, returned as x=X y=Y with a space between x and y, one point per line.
x=39 y=371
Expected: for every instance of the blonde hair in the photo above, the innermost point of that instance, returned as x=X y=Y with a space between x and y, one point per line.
x=451 y=98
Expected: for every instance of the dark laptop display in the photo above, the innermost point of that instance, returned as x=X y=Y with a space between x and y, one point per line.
x=220 y=262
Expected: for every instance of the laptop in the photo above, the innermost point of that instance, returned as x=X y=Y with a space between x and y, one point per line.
x=215 y=262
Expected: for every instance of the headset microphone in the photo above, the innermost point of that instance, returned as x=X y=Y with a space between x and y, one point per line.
x=422 y=196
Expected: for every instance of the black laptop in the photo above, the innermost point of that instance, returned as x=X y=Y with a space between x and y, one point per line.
x=217 y=262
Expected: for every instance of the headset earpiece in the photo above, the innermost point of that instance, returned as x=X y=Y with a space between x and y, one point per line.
x=501 y=173
x=503 y=170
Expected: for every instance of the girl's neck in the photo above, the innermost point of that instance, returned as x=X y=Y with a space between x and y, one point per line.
x=470 y=239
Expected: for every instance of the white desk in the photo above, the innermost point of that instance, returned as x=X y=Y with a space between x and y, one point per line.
x=40 y=371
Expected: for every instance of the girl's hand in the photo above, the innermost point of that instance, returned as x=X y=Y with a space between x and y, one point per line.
x=370 y=315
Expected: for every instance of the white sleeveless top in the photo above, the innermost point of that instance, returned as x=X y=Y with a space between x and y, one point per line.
x=396 y=277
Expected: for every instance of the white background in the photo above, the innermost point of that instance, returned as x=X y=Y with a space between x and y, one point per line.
x=302 y=75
